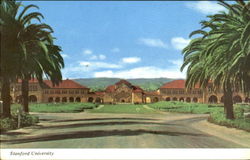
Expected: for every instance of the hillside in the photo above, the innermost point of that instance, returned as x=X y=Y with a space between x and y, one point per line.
x=97 y=84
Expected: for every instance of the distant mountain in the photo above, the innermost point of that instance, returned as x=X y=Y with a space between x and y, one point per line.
x=98 y=84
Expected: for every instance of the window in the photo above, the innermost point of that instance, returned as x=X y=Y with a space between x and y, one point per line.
x=77 y=92
x=181 y=91
x=82 y=91
x=51 y=92
x=194 y=92
x=175 y=92
x=71 y=92
x=46 y=92
x=58 y=92
x=169 y=92
x=64 y=91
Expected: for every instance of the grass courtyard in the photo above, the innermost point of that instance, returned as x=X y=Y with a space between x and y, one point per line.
x=216 y=111
x=57 y=107
x=123 y=108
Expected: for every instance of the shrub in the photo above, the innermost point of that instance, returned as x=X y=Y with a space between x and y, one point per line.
x=12 y=123
x=7 y=124
x=218 y=117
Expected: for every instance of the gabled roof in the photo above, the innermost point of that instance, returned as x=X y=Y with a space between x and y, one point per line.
x=112 y=88
x=176 y=84
x=65 y=84
x=123 y=82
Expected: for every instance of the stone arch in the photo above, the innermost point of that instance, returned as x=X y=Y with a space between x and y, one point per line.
x=98 y=100
x=188 y=99
x=247 y=100
x=122 y=101
x=155 y=99
x=195 y=99
x=57 y=99
x=71 y=99
x=181 y=99
x=213 y=99
x=64 y=99
x=91 y=99
x=148 y=100
x=78 y=99
x=174 y=99
x=50 y=99
x=32 y=98
x=168 y=99
x=237 y=99
x=222 y=99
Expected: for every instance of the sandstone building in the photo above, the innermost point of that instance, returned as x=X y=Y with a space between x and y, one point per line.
x=120 y=92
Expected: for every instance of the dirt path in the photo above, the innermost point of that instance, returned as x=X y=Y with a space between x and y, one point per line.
x=99 y=130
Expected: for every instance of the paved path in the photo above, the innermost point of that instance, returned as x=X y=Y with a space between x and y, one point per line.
x=99 y=130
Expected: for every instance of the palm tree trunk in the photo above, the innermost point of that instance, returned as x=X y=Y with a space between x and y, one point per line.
x=228 y=102
x=6 y=97
x=25 y=95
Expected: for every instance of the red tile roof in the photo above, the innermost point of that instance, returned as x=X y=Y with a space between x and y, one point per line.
x=110 y=88
x=65 y=84
x=137 y=89
x=123 y=81
x=176 y=84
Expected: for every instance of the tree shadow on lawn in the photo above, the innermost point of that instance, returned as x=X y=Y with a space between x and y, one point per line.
x=97 y=133
x=102 y=124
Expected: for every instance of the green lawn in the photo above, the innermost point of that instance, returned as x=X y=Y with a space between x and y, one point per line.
x=57 y=107
x=183 y=107
x=216 y=112
x=123 y=108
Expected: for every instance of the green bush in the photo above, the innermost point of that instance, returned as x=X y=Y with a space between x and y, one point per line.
x=218 y=117
x=7 y=124
x=12 y=123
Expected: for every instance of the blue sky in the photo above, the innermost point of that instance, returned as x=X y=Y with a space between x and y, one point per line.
x=123 y=39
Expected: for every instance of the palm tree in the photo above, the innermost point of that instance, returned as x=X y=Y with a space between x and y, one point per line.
x=222 y=53
x=11 y=50
x=42 y=56
x=27 y=46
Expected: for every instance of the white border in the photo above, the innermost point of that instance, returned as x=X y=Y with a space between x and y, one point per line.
x=116 y=154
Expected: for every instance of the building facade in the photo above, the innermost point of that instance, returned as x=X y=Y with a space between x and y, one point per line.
x=120 y=92
x=175 y=91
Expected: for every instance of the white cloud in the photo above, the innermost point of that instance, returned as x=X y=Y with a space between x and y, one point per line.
x=179 y=42
x=142 y=72
x=177 y=62
x=206 y=7
x=99 y=65
x=87 y=51
x=153 y=42
x=131 y=59
x=115 y=50
x=102 y=57
x=94 y=57
x=65 y=55
x=99 y=57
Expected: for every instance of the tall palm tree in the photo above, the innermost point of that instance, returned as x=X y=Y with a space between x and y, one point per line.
x=42 y=56
x=11 y=49
x=28 y=51
x=223 y=52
